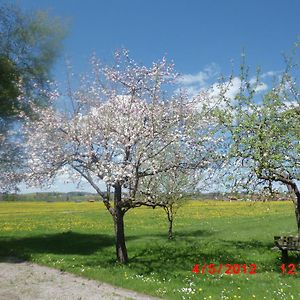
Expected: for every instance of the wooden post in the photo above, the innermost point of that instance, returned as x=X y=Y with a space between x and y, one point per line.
x=285 y=255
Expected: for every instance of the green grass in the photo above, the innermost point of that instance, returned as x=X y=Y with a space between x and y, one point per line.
x=78 y=237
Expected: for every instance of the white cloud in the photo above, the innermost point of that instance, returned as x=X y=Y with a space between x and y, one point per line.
x=261 y=87
x=229 y=88
x=190 y=79
x=270 y=74
x=204 y=79
x=292 y=104
x=194 y=83
x=206 y=91
x=233 y=88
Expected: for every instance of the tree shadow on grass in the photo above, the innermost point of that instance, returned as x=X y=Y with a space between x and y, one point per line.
x=59 y=243
x=182 y=235
x=194 y=233
x=249 y=245
x=147 y=256
x=265 y=248
x=172 y=260
x=181 y=255
x=17 y=249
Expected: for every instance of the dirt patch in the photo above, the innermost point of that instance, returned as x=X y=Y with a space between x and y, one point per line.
x=27 y=281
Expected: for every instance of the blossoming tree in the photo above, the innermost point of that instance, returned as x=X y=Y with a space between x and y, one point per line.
x=171 y=189
x=124 y=121
x=264 y=136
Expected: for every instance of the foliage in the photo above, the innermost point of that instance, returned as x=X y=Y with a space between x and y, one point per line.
x=29 y=45
x=9 y=90
x=264 y=133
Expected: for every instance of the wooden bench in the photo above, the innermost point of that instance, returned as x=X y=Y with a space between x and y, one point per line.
x=285 y=244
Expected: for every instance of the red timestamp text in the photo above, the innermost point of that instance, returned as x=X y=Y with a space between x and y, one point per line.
x=290 y=269
x=224 y=269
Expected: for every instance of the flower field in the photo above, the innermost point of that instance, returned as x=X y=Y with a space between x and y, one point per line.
x=78 y=238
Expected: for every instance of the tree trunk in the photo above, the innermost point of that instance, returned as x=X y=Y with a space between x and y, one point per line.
x=169 y=212
x=284 y=255
x=295 y=189
x=297 y=211
x=170 y=231
x=119 y=226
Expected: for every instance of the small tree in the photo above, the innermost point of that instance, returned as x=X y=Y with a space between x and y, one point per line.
x=169 y=190
x=124 y=121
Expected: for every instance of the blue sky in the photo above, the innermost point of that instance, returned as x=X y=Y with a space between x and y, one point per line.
x=192 y=33
x=201 y=37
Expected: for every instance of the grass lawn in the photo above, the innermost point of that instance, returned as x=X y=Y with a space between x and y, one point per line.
x=78 y=238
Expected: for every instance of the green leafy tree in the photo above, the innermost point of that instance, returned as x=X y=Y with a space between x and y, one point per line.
x=263 y=131
x=9 y=90
x=29 y=45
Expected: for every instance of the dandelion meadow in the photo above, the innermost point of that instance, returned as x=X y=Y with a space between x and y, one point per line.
x=144 y=106
x=79 y=238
